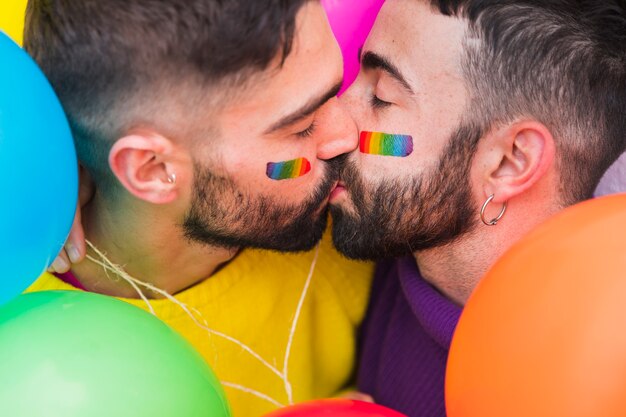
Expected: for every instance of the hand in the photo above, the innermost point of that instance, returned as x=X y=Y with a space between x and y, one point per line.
x=75 y=250
x=358 y=396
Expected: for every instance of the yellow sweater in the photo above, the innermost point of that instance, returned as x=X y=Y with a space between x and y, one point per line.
x=254 y=299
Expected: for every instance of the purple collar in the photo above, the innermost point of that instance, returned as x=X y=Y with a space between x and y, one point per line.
x=437 y=315
x=71 y=279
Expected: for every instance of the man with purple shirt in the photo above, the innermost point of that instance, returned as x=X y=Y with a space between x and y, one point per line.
x=514 y=109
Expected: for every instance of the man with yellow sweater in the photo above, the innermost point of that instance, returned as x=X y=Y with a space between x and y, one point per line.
x=211 y=127
x=253 y=300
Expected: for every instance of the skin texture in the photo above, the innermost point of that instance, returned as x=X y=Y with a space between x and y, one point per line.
x=429 y=100
x=220 y=169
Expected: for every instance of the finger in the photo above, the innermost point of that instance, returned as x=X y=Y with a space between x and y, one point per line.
x=75 y=245
x=359 y=396
x=61 y=264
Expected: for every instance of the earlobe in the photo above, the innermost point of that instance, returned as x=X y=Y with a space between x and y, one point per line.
x=144 y=164
x=523 y=153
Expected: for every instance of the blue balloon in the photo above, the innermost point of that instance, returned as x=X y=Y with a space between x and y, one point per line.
x=39 y=182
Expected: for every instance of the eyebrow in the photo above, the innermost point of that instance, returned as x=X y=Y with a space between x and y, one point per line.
x=373 y=61
x=305 y=110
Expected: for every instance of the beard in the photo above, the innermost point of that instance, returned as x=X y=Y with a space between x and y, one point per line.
x=223 y=215
x=398 y=217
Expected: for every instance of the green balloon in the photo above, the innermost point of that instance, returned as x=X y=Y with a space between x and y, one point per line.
x=74 y=354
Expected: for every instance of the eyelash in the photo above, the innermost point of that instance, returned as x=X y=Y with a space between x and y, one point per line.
x=308 y=132
x=378 y=103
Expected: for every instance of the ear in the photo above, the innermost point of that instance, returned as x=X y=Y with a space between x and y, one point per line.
x=515 y=158
x=145 y=164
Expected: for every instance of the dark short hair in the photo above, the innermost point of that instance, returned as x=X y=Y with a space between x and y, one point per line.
x=104 y=57
x=561 y=62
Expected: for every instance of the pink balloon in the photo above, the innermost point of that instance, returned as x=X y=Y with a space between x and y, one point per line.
x=335 y=408
x=351 y=21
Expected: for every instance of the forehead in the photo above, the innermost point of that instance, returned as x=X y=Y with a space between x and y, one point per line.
x=418 y=39
x=312 y=67
x=315 y=53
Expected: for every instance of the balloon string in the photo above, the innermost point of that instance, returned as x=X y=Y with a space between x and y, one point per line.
x=252 y=392
x=107 y=265
x=122 y=274
x=294 y=325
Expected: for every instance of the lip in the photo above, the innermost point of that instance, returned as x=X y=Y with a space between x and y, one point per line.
x=339 y=190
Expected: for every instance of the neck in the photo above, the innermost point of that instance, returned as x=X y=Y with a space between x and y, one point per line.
x=455 y=269
x=149 y=245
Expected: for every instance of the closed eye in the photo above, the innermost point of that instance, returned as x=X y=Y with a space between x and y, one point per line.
x=378 y=103
x=308 y=132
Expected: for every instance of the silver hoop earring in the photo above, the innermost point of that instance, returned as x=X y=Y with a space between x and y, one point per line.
x=171 y=178
x=495 y=220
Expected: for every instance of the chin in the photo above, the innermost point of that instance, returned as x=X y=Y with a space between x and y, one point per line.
x=300 y=236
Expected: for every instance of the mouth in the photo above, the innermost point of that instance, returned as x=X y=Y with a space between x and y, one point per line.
x=337 y=192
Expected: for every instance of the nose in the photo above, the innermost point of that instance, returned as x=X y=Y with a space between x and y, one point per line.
x=342 y=135
x=353 y=103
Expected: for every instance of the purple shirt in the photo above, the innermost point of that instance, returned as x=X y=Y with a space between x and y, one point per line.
x=71 y=279
x=405 y=341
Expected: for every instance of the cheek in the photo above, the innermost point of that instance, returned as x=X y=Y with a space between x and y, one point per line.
x=386 y=155
x=267 y=174
x=242 y=158
x=288 y=170
x=385 y=144
x=406 y=138
x=292 y=180
x=288 y=163
x=376 y=169
x=238 y=166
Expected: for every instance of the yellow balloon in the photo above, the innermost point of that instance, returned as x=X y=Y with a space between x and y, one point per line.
x=12 y=18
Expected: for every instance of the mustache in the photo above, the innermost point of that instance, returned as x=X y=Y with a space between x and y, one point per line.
x=335 y=167
x=348 y=172
x=352 y=180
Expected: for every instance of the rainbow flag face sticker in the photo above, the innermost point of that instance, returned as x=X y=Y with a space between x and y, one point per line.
x=288 y=169
x=385 y=144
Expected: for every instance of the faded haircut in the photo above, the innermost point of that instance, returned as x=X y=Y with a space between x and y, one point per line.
x=560 y=62
x=115 y=63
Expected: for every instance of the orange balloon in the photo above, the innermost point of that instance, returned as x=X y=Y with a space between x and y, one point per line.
x=544 y=334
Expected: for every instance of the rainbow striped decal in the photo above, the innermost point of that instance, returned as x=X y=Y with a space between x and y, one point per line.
x=288 y=169
x=386 y=144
